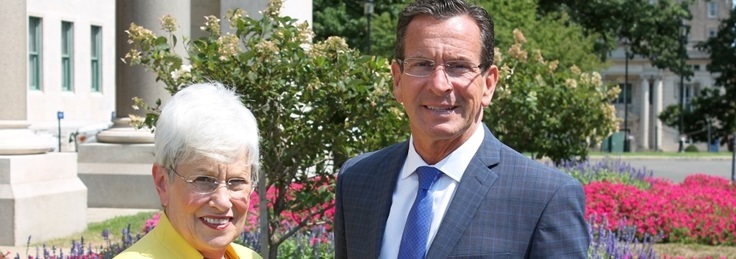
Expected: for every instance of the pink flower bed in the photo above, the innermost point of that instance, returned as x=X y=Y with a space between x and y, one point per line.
x=700 y=210
x=293 y=217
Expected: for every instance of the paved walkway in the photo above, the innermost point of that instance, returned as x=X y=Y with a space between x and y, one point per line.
x=677 y=168
x=93 y=215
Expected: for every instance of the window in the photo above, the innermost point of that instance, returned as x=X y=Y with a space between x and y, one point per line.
x=95 y=56
x=621 y=97
x=712 y=32
x=690 y=92
x=34 y=53
x=67 y=43
x=712 y=9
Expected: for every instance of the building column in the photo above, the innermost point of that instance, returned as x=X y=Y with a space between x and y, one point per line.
x=644 y=115
x=15 y=137
x=657 y=107
x=135 y=81
x=14 y=36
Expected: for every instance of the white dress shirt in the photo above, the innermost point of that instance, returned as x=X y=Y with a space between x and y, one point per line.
x=453 y=166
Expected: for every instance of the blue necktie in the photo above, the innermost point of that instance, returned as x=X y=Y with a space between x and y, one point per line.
x=416 y=230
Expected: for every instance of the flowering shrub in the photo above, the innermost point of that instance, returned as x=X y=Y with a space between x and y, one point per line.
x=622 y=243
x=607 y=170
x=321 y=214
x=152 y=222
x=700 y=210
x=557 y=110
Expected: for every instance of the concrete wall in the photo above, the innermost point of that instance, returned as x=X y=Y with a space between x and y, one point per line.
x=118 y=175
x=41 y=197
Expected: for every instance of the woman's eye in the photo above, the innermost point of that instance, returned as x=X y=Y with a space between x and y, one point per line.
x=237 y=181
x=205 y=179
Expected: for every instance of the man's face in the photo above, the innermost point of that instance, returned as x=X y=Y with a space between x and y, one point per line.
x=207 y=221
x=441 y=107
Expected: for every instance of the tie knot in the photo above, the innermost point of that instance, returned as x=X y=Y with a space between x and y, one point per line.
x=427 y=176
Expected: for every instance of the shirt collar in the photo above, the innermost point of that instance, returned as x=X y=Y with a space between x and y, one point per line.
x=454 y=164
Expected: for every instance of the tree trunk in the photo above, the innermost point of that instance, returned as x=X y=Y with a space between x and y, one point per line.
x=263 y=216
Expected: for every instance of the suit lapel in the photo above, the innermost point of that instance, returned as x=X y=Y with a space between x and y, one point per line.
x=474 y=185
x=388 y=170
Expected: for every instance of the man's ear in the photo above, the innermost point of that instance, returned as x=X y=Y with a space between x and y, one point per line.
x=490 y=87
x=161 y=181
x=396 y=76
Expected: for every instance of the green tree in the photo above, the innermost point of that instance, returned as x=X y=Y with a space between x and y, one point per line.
x=553 y=33
x=710 y=108
x=652 y=28
x=316 y=104
x=347 y=19
x=546 y=109
x=713 y=106
x=722 y=49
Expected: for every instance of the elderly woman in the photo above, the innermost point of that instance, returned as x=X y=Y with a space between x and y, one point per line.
x=206 y=166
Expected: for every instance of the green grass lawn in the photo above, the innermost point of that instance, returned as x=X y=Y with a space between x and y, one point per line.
x=93 y=233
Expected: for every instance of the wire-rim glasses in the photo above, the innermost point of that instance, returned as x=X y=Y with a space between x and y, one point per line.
x=207 y=184
x=422 y=67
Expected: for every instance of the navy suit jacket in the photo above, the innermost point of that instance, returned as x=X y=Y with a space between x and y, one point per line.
x=505 y=206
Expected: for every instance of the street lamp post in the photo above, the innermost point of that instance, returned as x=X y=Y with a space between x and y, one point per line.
x=368 y=11
x=680 y=128
x=626 y=96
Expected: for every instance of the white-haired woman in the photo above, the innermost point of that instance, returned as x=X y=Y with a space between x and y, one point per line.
x=206 y=166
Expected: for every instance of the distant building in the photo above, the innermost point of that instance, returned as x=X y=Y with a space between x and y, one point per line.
x=650 y=90
x=63 y=55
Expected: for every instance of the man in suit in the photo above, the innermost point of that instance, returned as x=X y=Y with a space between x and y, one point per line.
x=482 y=199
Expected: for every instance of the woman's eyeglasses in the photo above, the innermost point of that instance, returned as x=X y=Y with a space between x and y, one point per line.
x=208 y=184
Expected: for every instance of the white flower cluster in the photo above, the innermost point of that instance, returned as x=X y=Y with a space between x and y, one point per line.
x=185 y=71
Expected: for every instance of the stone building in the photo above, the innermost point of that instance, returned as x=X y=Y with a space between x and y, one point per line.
x=65 y=56
x=651 y=90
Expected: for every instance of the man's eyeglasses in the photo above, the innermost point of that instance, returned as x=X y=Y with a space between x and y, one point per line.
x=208 y=184
x=422 y=67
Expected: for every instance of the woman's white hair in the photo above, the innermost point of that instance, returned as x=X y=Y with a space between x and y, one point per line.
x=206 y=121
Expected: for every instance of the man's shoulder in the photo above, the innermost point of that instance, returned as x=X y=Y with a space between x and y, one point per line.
x=521 y=164
x=373 y=158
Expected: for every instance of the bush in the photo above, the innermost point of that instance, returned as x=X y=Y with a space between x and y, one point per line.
x=691 y=148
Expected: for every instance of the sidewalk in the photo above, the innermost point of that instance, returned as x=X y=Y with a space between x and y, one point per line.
x=93 y=215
